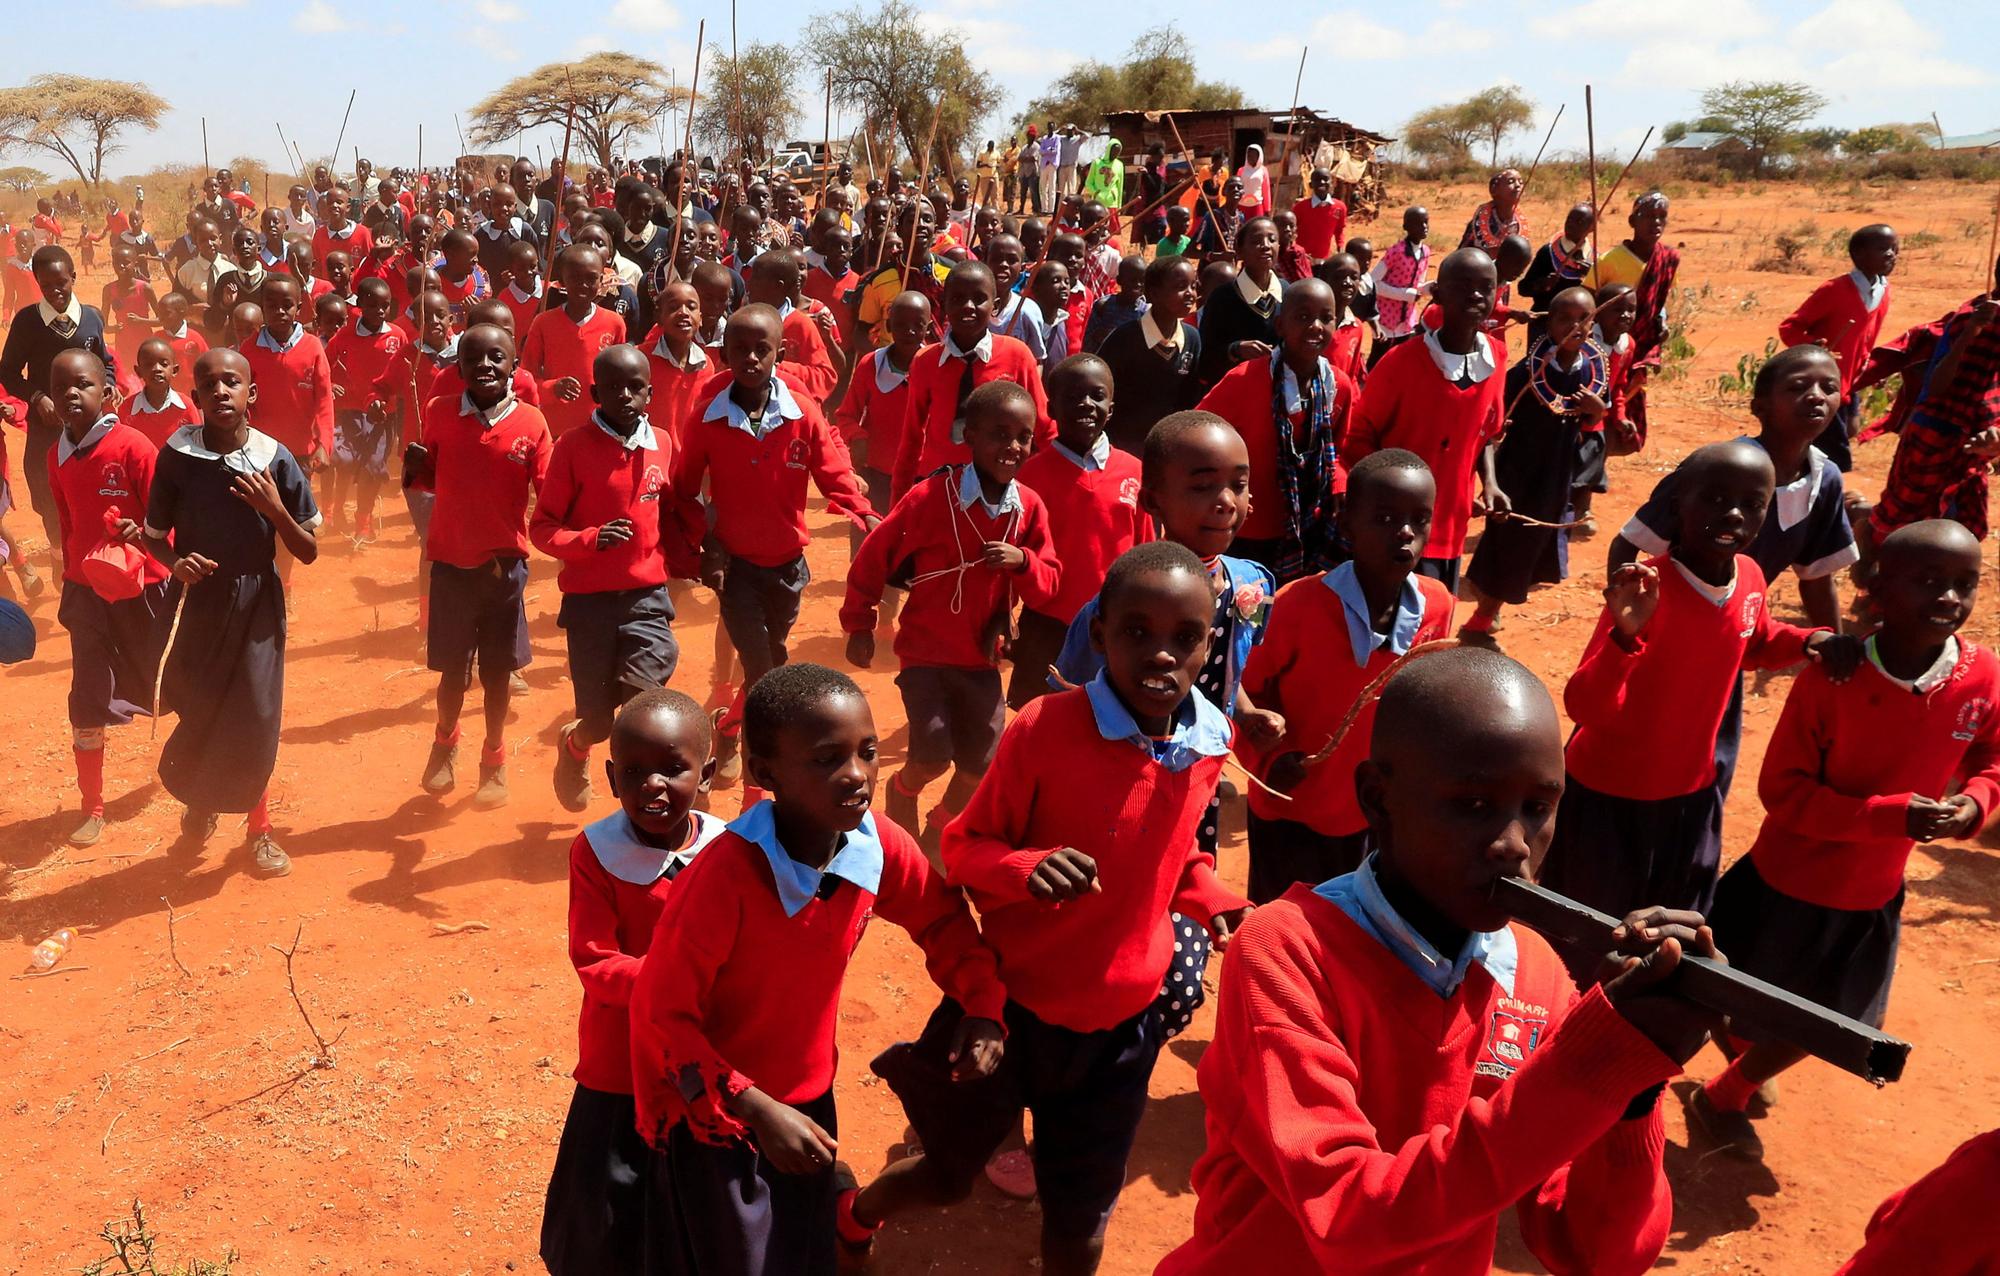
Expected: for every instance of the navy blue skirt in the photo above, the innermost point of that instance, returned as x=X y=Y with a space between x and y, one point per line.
x=1844 y=959
x=723 y=1211
x=594 y=1217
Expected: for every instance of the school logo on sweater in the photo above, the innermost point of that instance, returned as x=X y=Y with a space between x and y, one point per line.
x=651 y=482
x=1752 y=604
x=1511 y=1036
x=1128 y=493
x=1972 y=716
x=797 y=455
x=111 y=481
x=521 y=451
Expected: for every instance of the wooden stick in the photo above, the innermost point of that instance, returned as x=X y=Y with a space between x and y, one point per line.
x=555 y=218
x=1545 y=146
x=736 y=81
x=1612 y=194
x=285 y=148
x=1749 y=1002
x=342 y=135
x=173 y=950
x=916 y=226
x=160 y=674
x=1992 y=249
x=1181 y=145
x=206 y=169
x=826 y=140
x=687 y=149
x=462 y=147
x=324 y=1056
x=420 y=153
x=1590 y=136
x=1291 y=120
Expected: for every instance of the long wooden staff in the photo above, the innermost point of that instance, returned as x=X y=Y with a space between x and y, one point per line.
x=1612 y=194
x=687 y=153
x=1545 y=146
x=555 y=218
x=1180 y=145
x=1590 y=137
x=910 y=249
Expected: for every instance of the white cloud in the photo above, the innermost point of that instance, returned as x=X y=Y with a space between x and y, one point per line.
x=1350 y=36
x=588 y=44
x=318 y=18
x=189 y=4
x=499 y=11
x=1000 y=46
x=491 y=43
x=645 y=15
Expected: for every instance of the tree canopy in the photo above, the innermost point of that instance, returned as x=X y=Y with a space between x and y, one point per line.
x=1157 y=73
x=1448 y=131
x=748 y=101
x=20 y=178
x=76 y=118
x=1764 y=113
x=615 y=94
x=893 y=71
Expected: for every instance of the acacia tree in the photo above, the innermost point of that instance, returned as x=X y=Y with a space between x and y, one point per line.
x=615 y=95
x=1764 y=113
x=1158 y=73
x=892 y=71
x=76 y=118
x=20 y=179
x=748 y=102
x=1495 y=113
x=1441 y=133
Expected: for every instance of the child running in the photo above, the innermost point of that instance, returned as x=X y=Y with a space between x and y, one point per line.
x=620 y=868
x=734 y=1086
x=1845 y=315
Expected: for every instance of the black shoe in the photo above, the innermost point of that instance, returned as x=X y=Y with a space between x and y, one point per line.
x=1730 y=1131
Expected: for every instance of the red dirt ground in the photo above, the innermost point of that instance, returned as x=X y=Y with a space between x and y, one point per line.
x=426 y=1147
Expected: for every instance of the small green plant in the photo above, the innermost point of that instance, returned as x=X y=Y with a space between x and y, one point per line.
x=1749 y=302
x=133 y=1252
x=1921 y=239
x=1877 y=399
x=1836 y=243
x=1676 y=351
x=1789 y=250
x=1736 y=386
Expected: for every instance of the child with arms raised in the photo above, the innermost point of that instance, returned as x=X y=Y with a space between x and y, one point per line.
x=620 y=868
x=1075 y=847
x=734 y=1087
x=1395 y=1063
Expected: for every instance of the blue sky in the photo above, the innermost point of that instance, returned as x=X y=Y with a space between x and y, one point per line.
x=1375 y=64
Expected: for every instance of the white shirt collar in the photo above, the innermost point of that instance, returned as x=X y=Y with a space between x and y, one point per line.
x=142 y=406
x=1247 y=288
x=1478 y=365
x=256 y=454
x=1317 y=202
x=1295 y=399
x=1922 y=684
x=619 y=850
x=888 y=379
x=1794 y=500
x=1717 y=594
x=50 y=314
x=1150 y=329
x=65 y=449
x=1871 y=288
x=1096 y=459
x=697 y=357
x=518 y=295
x=500 y=411
x=361 y=328
x=641 y=436
x=726 y=410
x=346 y=232
x=948 y=349
x=969 y=492
x=269 y=342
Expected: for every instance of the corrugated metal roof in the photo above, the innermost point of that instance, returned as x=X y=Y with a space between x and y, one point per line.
x=1970 y=141
x=1700 y=141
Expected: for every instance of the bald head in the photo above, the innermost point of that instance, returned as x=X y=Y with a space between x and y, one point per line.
x=1466 y=264
x=1932 y=538
x=1446 y=700
x=1305 y=295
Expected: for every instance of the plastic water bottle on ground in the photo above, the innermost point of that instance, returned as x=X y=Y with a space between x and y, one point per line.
x=52 y=950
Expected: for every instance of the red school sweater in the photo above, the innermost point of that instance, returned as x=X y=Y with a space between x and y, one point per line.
x=483 y=479
x=557 y=346
x=1358 y=1122
x=933 y=542
x=1304 y=669
x=1834 y=316
x=1409 y=404
x=117 y=470
x=592 y=479
x=926 y=442
x=524 y=309
x=1646 y=719
x=828 y=289
x=294 y=394
x=1243 y=398
x=1094 y=516
x=1322 y=230
x=1944 y=1224
x=611 y=923
x=1835 y=798
x=675 y=387
x=735 y=994
x=448 y=382
x=160 y=424
x=356 y=240
x=758 y=486
x=188 y=346
x=1057 y=782
x=804 y=346
x=359 y=359
x=875 y=416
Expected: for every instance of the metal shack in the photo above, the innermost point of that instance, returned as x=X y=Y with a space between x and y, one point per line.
x=1293 y=141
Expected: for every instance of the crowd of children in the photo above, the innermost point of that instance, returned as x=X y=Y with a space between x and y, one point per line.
x=1197 y=498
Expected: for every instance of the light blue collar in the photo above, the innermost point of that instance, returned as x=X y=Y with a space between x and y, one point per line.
x=1345 y=584
x=1359 y=895
x=725 y=409
x=269 y=342
x=617 y=847
x=969 y=492
x=1096 y=459
x=101 y=427
x=859 y=859
x=640 y=437
x=1199 y=729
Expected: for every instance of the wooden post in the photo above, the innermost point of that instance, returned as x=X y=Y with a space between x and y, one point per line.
x=1590 y=137
x=1291 y=123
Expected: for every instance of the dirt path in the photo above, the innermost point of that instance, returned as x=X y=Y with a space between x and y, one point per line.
x=426 y=1148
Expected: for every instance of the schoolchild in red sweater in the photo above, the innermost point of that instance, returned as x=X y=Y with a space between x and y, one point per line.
x=1091 y=490
x=1322 y=219
x=966 y=540
x=1343 y=273
x=521 y=286
x=1073 y=850
x=944 y=374
x=773 y=280
x=187 y=340
x=483 y=457
x=459 y=276
x=1395 y=1063
x=340 y=233
x=829 y=273
x=1642 y=812
x=1943 y=1224
x=620 y=868
x=388 y=261
x=760 y=438
x=1846 y=315
x=330 y=315
x=562 y=343
x=1329 y=636
x=116 y=610
x=679 y=365
x=446 y=380
x=734 y=1086
x=1441 y=397
x=294 y=402
x=157 y=410
x=599 y=514
x=1856 y=774
x=359 y=355
x=1292 y=410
